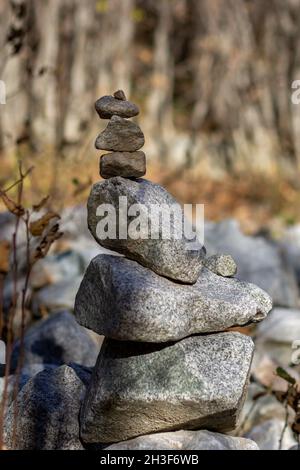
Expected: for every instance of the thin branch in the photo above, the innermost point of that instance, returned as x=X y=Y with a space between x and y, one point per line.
x=285 y=425
x=13 y=308
x=22 y=333
x=20 y=180
x=2 y=277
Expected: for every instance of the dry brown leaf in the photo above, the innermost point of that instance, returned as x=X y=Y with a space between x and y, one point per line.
x=37 y=207
x=12 y=206
x=37 y=227
x=4 y=256
x=46 y=242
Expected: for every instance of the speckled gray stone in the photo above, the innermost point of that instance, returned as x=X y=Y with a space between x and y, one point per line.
x=120 y=135
x=108 y=106
x=126 y=164
x=223 y=265
x=123 y=300
x=186 y=440
x=48 y=412
x=171 y=257
x=199 y=382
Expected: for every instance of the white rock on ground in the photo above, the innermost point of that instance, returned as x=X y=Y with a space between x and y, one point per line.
x=276 y=335
x=186 y=440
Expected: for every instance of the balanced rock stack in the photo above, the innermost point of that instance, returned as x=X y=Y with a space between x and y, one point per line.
x=121 y=136
x=167 y=362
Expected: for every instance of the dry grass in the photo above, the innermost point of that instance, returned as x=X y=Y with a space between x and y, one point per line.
x=254 y=199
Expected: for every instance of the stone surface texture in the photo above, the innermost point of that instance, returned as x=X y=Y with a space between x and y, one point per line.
x=223 y=265
x=48 y=409
x=178 y=259
x=199 y=382
x=120 y=135
x=126 y=164
x=123 y=300
x=108 y=106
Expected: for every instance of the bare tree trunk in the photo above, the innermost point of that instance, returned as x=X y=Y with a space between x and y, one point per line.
x=115 y=48
x=160 y=100
x=44 y=89
x=81 y=92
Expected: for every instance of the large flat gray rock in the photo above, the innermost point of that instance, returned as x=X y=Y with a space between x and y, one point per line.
x=48 y=412
x=199 y=382
x=258 y=260
x=120 y=135
x=169 y=257
x=186 y=440
x=123 y=300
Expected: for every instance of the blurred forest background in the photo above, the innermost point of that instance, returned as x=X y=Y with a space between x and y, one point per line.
x=212 y=78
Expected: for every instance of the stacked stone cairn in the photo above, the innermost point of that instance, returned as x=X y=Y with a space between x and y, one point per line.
x=169 y=360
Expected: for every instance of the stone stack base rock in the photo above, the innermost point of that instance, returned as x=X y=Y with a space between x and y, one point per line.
x=167 y=363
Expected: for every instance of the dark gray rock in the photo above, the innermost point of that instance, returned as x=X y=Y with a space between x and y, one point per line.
x=31 y=370
x=176 y=257
x=186 y=440
x=120 y=95
x=48 y=412
x=126 y=164
x=223 y=265
x=199 y=382
x=120 y=135
x=259 y=261
x=57 y=340
x=123 y=300
x=109 y=106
